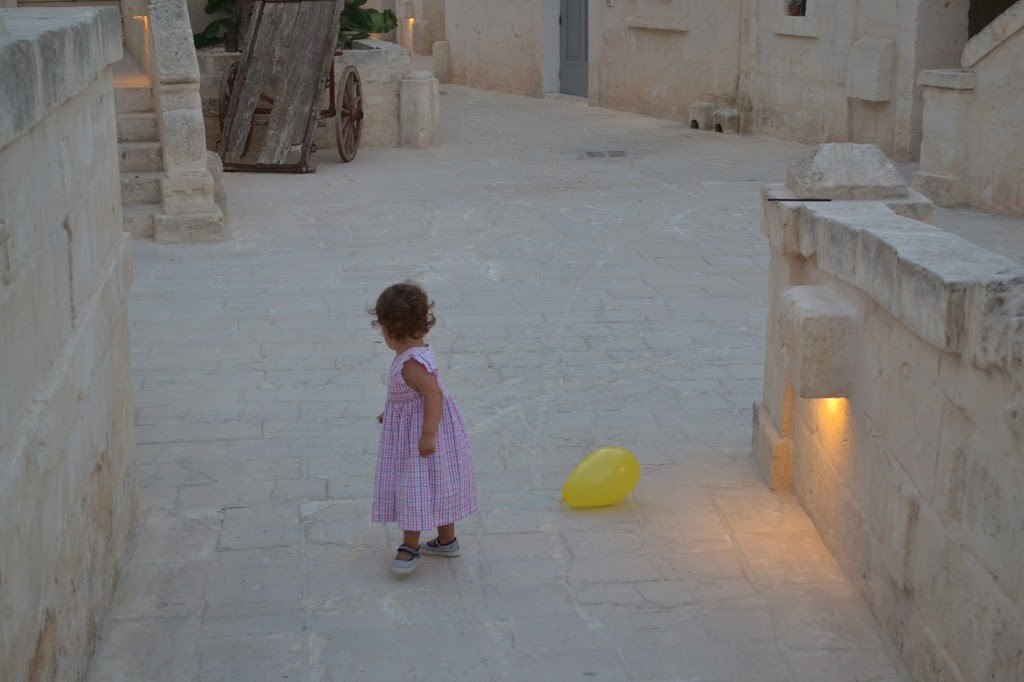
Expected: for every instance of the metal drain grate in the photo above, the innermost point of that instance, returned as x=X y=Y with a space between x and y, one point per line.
x=614 y=154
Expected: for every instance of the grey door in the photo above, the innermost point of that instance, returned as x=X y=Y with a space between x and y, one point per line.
x=573 y=68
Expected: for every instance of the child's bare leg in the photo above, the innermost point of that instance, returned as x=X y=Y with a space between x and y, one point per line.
x=446 y=533
x=411 y=538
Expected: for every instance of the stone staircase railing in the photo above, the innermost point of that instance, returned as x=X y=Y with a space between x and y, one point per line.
x=159 y=35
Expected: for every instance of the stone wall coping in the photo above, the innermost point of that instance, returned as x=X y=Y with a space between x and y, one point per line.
x=955 y=295
x=990 y=37
x=949 y=79
x=48 y=56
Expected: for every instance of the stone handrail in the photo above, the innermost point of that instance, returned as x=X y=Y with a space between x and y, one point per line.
x=190 y=212
x=957 y=296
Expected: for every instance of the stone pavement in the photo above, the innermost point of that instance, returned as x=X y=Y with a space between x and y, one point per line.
x=582 y=300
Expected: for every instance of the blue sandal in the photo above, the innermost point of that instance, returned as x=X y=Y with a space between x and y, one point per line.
x=400 y=565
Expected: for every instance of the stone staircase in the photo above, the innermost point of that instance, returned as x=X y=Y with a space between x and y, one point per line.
x=140 y=150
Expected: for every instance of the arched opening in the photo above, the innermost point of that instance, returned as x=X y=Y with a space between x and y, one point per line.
x=694 y=124
x=718 y=127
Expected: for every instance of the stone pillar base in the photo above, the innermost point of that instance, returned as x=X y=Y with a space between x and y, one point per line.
x=944 y=190
x=421 y=111
x=179 y=228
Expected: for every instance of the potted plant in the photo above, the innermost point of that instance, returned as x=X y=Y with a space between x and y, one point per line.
x=795 y=8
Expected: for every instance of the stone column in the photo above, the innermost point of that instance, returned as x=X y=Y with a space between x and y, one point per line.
x=948 y=94
x=187 y=192
x=421 y=111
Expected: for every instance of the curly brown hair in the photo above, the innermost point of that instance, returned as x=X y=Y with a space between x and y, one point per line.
x=404 y=311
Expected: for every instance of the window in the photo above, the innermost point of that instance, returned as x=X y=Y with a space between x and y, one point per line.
x=796 y=8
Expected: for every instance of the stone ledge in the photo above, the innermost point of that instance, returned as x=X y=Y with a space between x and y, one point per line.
x=650 y=24
x=990 y=37
x=800 y=27
x=949 y=79
x=36 y=47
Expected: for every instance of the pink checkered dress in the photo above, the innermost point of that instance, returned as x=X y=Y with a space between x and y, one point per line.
x=420 y=493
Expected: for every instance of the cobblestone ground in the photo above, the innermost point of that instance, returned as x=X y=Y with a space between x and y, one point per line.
x=583 y=300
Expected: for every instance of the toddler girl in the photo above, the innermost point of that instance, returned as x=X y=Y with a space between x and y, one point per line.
x=424 y=476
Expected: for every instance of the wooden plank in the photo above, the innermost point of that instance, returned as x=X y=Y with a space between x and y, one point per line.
x=253 y=72
x=303 y=74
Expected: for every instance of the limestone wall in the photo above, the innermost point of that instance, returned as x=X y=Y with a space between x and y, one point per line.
x=658 y=58
x=974 y=122
x=894 y=410
x=845 y=71
x=68 y=498
x=496 y=44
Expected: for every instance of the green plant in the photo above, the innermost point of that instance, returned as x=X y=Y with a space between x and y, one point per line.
x=218 y=28
x=358 y=22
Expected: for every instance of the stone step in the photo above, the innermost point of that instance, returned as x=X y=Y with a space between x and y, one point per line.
x=139 y=220
x=138 y=127
x=141 y=156
x=128 y=100
x=140 y=188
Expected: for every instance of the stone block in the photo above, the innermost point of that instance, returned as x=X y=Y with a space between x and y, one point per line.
x=871 y=69
x=702 y=115
x=421 y=37
x=944 y=190
x=442 y=64
x=173 y=50
x=781 y=219
x=420 y=120
x=190 y=227
x=32 y=42
x=216 y=168
x=819 y=335
x=727 y=121
x=773 y=454
x=187 y=193
x=995 y=323
x=846 y=171
x=951 y=79
x=183 y=138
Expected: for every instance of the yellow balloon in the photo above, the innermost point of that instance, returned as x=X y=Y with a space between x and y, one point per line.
x=603 y=477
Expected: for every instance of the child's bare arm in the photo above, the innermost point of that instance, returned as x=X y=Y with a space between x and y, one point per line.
x=417 y=376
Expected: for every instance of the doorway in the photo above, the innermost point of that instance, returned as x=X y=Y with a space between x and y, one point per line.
x=573 y=52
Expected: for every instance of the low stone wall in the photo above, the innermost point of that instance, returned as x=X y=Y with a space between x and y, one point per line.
x=68 y=497
x=894 y=409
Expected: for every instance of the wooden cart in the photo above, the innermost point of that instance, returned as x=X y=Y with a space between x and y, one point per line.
x=271 y=100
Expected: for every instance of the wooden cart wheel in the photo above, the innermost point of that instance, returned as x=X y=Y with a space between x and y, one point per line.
x=349 y=120
x=227 y=87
